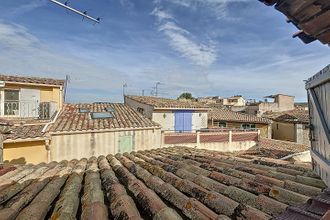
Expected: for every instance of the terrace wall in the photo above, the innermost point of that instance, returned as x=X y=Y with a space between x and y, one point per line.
x=225 y=141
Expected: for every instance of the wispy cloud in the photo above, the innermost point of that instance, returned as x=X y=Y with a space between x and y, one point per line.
x=24 y=54
x=217 y=7
x=26 y=7
x=180 y=39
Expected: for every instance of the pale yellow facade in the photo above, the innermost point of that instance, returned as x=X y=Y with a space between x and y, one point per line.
x=47 y=93
x=25 y=152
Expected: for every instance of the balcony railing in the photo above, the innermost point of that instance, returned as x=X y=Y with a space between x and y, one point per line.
x=27 y=109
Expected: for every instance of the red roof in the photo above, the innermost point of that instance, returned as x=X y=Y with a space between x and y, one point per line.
x=311 y=17
x=168 y=183
x=123 y=116
x=32 y=80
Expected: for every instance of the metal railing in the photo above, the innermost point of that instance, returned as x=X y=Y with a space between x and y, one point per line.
x=27 y=109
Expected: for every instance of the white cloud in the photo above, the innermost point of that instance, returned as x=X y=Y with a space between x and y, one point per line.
x=26 y=7
x=181 y=40
x=217 y=7
x=24 y=54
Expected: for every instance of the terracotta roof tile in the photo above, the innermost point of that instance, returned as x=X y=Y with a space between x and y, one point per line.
x=33 y=80
x=275 y=148
x=25 y=132
x=159 y=102
x=223 y=114
x=292 y=116
x=311 y=17
x=71 y=119
x=167 y=183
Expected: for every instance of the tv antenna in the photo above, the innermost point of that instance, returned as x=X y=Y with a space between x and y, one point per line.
x=84 y=14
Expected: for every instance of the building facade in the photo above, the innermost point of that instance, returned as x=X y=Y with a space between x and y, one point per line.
x=30 y=97
x=290 y=126
x=84 y=130
x=222 y=118
x=281 y=103
x=27 y=104
x=172 y=115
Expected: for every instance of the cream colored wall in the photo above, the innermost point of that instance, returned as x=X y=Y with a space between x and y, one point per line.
x=283 y=131
x=263 y=128
x=71 y=146
x=285 y=102
x=199 y=120
x=25 y=152
x=167 y=122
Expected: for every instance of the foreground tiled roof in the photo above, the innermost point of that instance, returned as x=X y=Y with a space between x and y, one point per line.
x=70 y=119
x=159 y=102
x=312 y=18
x=34 y=80
x=292 y=116
x=223 y=114
x=275 y=148
x=5 y=122
x=25 y=132
x=171 y=183
x=315 y=208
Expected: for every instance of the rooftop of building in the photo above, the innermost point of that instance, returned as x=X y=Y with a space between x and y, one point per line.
x=99 y=116
x=24 y=132
x=276 y=149
x=167 y=183
x=31 y=80
x=312 y=18
x=276 y=95
x=223 y=114
x=292 y=116
x=159 y=102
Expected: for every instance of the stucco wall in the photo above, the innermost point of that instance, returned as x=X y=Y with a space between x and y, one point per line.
x=25 y=152
x=148 y=109
x=285 y=103
x=70 y=146
x=283 y=131
x=165 y=118
x=306 y=140
x=199 y=120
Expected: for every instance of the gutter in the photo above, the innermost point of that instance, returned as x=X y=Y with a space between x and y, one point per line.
x=18 y=140
x=295 y=154
x=52 y=122
x=34 y=84
x=103 y=130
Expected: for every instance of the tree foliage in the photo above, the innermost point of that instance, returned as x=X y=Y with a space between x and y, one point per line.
x=186 y=95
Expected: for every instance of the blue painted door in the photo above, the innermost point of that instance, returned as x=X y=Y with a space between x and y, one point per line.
x=183 y=121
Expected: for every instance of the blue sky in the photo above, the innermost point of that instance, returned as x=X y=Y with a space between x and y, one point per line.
x=207 y=47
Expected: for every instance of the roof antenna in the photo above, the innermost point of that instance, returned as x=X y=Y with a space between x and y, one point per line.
x=83 y=14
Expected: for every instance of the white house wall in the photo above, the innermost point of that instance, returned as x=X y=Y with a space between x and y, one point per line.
x=199 y=120
x=167 y=122
x=75 y=146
